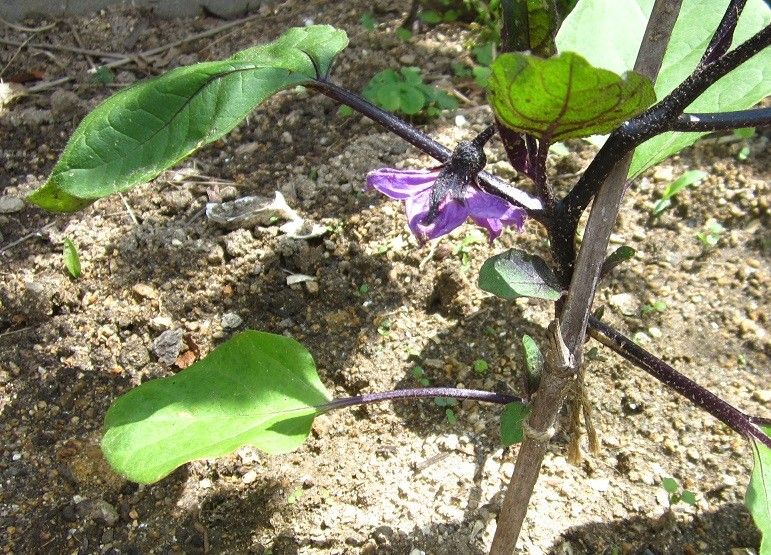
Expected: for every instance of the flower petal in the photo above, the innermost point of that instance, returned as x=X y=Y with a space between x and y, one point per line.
x=451 y=214
x=401 y=184
x=484 y=207
x=493 y=226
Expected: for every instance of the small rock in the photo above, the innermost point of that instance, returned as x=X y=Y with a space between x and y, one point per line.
x=143 y=290
x=125 y=77
x=625 y=302
x=312 y=286
x=102 y=510
x=286 y=138
x=407 y=59
x=664 y=173
x=249 y=477
x=168 y=345
x=231 y=320
x=9 y=204
x=161 y=323
x=65 y=103
x=762 y=395
x=631 y=404
x=599 y=484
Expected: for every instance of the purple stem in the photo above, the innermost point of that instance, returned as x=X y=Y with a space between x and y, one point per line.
x=699 y=396
x=417 y=138
x=422 y=393
x=724 y=33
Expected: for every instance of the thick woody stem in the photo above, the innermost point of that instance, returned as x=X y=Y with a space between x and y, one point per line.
x=568 y=336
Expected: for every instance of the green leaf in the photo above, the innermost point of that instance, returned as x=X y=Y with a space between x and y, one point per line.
x=618 y=256
x=137 y=133
x=514 y=274
x=411 y=100
x=670 y=485
x=368 y=21
x=403 y=33
x=758 y=497
x=686 y=180
x=688 y=497
x=430 y=16
x=71 y=258
x=564 y=97
x=256 y=389
x=481 y=366
x=534 y=362
x=608 y=34
x=514 y=414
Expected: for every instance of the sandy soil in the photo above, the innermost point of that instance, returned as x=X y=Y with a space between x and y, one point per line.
x=380 y=479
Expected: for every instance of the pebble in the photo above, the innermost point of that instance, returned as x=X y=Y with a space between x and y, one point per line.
x=249 y=477
x=168 y=345
x=9 y=204
x=599 y=484
x=231 y=320
x=762 y=395
x=143 y=290
x=161 y=323
x=102 y=510
x=64 y=103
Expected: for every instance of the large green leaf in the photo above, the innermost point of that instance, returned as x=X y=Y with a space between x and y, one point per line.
x=137 y=133
x=564 y=97
x=257 y=388
x=515 y=273
x=758 y=498
x=608 y=34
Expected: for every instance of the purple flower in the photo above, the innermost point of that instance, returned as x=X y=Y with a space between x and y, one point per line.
x=435 y=207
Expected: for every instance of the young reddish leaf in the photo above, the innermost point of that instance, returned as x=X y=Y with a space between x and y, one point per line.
x=564 y=97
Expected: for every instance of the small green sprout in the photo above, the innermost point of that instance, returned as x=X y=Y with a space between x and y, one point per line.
x=384 y=328
x=676 y=494
x=295 y=496
x=446 y=403
x=463 y=251
x=420 y=375
x=368 y=21
x=710 y=237
x=480 y=366
x=688 y=179
x=649 y=308
x=405 y=92
x=451 y=417
x=363 y=289
x=403 y=33
x=71 y=258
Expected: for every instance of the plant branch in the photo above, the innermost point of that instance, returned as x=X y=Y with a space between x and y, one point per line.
x=698 y=395
x=422 y=141
x=722 y=121
x=654 y=121
x=422 y=393
x=724 y=33
x=567 y=337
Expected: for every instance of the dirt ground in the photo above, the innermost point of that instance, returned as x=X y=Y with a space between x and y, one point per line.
x=391 y=478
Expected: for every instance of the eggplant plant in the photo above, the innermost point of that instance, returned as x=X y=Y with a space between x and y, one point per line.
x=652 y=77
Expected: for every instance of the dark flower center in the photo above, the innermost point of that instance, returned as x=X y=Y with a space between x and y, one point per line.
x=460 y=171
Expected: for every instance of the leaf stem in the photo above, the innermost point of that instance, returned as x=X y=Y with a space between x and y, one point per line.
x=698 y=395
x=724 y=33
x=723 y=121
x=422 y=393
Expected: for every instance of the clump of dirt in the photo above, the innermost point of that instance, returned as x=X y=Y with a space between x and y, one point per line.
x=162 y=286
